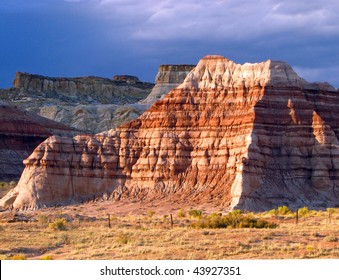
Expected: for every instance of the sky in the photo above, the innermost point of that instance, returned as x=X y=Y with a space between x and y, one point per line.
x=72 y=38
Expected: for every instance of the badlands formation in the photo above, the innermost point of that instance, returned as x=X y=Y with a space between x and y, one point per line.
x=251 y=136
x=89 y=104
x=20 y=133
x=92 y=104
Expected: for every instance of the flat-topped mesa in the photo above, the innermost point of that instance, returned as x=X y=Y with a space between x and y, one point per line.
x=85 y=90
x=126 y=78
x=252 y=136
x=167 y=78
x=90 y=104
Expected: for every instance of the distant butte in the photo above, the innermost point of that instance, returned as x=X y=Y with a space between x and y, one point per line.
x=251 y=136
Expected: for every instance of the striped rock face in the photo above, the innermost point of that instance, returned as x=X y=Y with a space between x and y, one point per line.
x=252 y=136
x=20 y=133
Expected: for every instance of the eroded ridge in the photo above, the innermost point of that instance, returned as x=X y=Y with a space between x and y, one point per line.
x=249 y=136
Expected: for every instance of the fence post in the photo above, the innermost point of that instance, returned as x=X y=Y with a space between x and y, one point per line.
x=296 y=217
x=171 y=221
x=109 y=220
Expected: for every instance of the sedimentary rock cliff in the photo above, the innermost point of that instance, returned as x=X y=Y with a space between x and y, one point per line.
x=90 y=104
x=167 y=78
x=20 y=134
x=84 y=90
x=250 y=136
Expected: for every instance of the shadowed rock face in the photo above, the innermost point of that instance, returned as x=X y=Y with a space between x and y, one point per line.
x=91 y=104
x=250 y=136
x=20 y=133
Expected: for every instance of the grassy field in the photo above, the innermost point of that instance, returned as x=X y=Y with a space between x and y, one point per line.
x=66 y=234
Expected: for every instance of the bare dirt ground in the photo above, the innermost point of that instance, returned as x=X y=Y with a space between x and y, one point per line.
x=144 y=231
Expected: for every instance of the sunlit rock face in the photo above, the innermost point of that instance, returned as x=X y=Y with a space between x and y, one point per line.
x=168 y=77
x=251 y=136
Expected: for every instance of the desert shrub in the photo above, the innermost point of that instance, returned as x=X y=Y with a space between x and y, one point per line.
x=195 y=213
x=181 y=213
x=4 y=185
x=283 y=210
x=272 y=212
x=46 y=257
x=123 y=238
x=19 y=257
x=64 y=239
x=330 y=238
x=58 y=224
x=150 y=213
x=12 y=184
x=43 y=220
x=331 y=210
x=303 y=211
x=232 y=220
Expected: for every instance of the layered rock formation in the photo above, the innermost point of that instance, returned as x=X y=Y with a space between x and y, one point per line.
x=252 y=136
x=20 y=134
x=90 y=104
x=167 y=78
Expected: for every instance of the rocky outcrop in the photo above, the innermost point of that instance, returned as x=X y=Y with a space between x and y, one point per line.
x=127 y=78
x=84 y=90
x=20 y=134
x=167 y=78
x=90 y=104
x=250 y=136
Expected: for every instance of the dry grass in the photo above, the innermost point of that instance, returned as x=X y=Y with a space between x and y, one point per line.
x=151 y=237
x=5 y=187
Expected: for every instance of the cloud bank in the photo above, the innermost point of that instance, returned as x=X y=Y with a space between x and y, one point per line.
x=106 y=37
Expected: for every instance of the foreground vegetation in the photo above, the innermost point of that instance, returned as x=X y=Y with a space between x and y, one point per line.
x=186 y=234
x=5 y=187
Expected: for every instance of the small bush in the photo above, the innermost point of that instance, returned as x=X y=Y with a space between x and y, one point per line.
x=331 y=210
x=195 y=213
x=283 y=210
x=4 y=185
x=43 y=220
x=150 y=213
x=12 y=184
x=46 y=257
x=330 y=238
x=272 y=212
x=303 y=211
x=232 y=220
x=64 y=239
x=59 y=224
x=123 y=238
x=19 y=257
x=181 y=213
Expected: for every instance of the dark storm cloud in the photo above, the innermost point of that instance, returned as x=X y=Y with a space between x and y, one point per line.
x=105 y=37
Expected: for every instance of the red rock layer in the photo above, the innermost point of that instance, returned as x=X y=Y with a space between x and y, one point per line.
x=20 y=134
x=252 y=136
